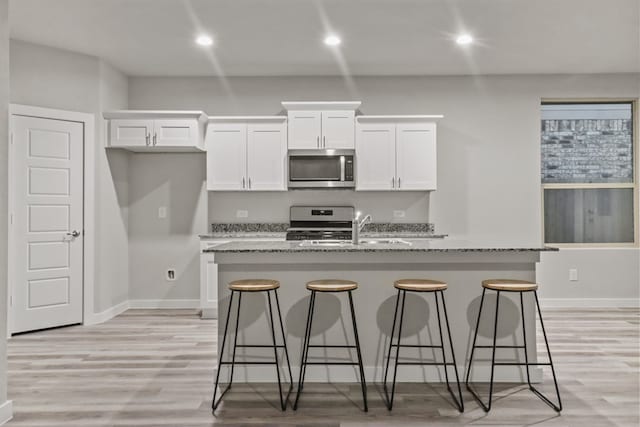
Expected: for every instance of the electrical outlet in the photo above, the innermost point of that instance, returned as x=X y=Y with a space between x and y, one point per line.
x=398 y=214
x=162 y=212
x=171 y=274
x=573 y=274
x=242 y=214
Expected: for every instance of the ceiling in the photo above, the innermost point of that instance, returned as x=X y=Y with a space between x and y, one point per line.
x=380 y=37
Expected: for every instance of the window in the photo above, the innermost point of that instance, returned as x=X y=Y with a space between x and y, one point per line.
x=588 y=174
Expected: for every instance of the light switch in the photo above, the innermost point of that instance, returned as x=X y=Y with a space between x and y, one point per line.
x=162 y=212
x=398 y=214
x=573 y=274
x=242 y=214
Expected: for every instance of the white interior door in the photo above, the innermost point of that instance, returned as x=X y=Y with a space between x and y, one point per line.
x=266 y=156
x=416 y=156
x=338 y=129
x=376 y=156
x=47 y=223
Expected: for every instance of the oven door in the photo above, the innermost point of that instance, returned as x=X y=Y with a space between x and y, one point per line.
x=319 y=168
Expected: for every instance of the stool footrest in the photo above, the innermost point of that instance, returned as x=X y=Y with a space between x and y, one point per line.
x=249 y=363
x=259 y=346
x=499 y=346
x=425 y=363
x=331 y=346
x=521 y=364
x=332 y=363
x=416 y=346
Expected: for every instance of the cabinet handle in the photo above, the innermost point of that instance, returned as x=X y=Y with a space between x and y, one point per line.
x=155 y=138
x=318 y=141
x=398 y=182
x=393 y=182
x=249 y=182
x=324 y=142
x=242 y=182
x=147 y=139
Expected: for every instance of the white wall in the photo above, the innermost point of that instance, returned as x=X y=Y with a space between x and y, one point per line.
x=488 y=150
x=54 y=78
x=177 y=182
x=4 y=104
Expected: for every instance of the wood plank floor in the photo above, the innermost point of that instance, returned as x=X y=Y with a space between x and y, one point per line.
x=155 y=368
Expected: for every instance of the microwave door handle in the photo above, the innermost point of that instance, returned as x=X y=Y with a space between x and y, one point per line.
x=342 y=168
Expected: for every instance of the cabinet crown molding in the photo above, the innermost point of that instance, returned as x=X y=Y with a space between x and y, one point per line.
x=233 y=119
x=321 y=105
x=201 y=116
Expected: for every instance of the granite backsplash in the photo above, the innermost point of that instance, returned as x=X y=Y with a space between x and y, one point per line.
x=264 y=227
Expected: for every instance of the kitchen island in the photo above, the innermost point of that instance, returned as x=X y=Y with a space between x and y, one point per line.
x=375 y=264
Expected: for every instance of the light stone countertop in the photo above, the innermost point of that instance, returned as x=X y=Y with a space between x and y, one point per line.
x=435 y=245
x=281 y=236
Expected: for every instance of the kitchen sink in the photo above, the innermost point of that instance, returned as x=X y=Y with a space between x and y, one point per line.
x=327 y=243
x=384 y=242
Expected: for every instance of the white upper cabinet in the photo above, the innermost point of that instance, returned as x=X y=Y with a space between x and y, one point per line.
x=338 y=129
x=266 y=156
x=416 y=156
x=305 y=128
x=396 y=153
x=156 y=131
x=376 y=157
x=227 y=156
x=246 y=154
x=321 y=125
x=130 y=133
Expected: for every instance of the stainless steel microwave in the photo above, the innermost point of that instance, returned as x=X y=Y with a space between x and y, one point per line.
x=321 y=168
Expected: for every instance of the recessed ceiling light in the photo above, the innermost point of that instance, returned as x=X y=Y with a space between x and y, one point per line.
x=332 y=40
x=464 y=39
x=204 y=40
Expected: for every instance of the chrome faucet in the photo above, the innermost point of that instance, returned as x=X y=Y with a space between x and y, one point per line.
x=357 y=226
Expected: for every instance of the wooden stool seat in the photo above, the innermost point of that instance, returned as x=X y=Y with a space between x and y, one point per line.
x=332 y=285
x=420 y=285
x=510 y=285
x=254 y=285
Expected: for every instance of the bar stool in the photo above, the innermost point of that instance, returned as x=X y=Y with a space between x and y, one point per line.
x=421 y=285
x=520 y=286
x=333 y=286
x=240 y=287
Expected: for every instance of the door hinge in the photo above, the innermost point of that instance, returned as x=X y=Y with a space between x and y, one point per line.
x=11 y=218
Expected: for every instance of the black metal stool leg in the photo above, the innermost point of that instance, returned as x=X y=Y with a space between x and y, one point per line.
x=524 y=340
x=355 y=333
x=284 y=343
x=386 y=369
x=486 y=407
x=475 y=337
x=275 y=350
x=558 y=407
x=215 y=404
x=458 y=402
x=305 y=349
x=395 y=370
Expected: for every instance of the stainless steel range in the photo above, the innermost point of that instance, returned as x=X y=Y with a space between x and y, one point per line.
x=320 y=222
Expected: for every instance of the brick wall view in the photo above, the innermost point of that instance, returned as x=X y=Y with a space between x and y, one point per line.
x=587 y=150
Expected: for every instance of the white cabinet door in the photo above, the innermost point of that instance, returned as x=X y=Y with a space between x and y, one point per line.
x=304 y=129
x=130 y=133
x=266 y=156
x=338 y=129
x=226 y=156
x=175 y=133
x=376 y=156
x=416 y=156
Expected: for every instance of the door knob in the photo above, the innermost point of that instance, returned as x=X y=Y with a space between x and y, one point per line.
x=74 y=233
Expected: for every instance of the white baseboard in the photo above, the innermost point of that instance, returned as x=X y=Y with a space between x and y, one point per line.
x=6 y=411
x=164 y=303
x=589 y=302
x=107 y=314
x=209 y=313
